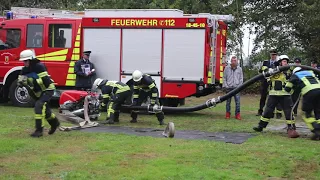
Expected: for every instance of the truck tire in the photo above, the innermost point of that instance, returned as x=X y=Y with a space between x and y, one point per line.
x=20 y=96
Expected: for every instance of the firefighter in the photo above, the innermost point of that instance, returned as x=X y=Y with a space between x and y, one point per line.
x=114 y=94
x=84 y=70
x=309 y=85
x=272 y=63
x=277 y=95
x=143 y=87
x=36 y=79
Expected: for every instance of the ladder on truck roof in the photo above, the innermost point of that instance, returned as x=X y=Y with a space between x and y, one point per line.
x=151 y=13
x=24 y=12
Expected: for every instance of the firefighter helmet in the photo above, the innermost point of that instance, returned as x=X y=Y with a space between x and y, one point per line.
x=96 y=83
x=282 y=57
x=137 y=75
x=296 y=69
x=26 y=55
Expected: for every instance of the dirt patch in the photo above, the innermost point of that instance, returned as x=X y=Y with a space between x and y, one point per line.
x=302 y=129
x=143 y=155
x=304 y=169
x=228 y=137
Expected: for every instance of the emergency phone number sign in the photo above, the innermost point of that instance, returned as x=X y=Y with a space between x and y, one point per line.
x=147 y=22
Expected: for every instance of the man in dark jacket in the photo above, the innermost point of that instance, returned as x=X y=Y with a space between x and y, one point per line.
x=272 y=63
x=84 y=69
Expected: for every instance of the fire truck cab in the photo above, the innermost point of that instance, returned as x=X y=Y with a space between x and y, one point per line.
x=183 y=53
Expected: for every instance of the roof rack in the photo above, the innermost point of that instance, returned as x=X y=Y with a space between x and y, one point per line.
x=23 y=12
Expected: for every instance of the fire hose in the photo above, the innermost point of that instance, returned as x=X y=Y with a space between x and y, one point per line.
x=214 y=101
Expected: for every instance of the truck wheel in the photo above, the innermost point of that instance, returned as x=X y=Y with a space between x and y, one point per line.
x=19 y=96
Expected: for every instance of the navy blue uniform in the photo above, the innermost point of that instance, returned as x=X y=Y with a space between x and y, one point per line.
x=83 y=81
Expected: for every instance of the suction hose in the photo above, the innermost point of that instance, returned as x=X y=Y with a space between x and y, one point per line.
x=214 y=101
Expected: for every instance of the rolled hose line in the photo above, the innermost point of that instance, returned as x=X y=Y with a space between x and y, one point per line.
x=214 y=101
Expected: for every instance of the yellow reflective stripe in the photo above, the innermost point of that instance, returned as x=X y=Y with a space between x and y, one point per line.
x=289 y=84
x=152 y=101
x=51 y=117
x=76 y=50
x=71 y=76
x=290 y=121
x=105 y=96
x=38 y=116
x=75 y=57
x=221 y=68
x=55 y=53
x=264 y=68
x=135 y=96
x=51 y=87
x=135 y=87
x=40 y=83
x=43 y=113
x=152 y=86
x=278 y=111
x=77 y=44
x=78 y=38
x=56 y=58
x=154 y=95
x=309 y=87
x=43 y=74
x=70 y=83
x=264 y=119
x=309 y=121
x=71 y=70
x=110 y=110
x=72 y=64
x=221 y=74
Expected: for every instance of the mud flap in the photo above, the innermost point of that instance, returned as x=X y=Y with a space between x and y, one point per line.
x=169 y=131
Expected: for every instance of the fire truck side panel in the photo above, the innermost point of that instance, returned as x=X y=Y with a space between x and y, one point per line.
x=141 y=50
x=105 y=47
x=184 y=54
x=220 y=51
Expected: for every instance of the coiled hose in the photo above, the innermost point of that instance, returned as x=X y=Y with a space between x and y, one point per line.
x=212 y=102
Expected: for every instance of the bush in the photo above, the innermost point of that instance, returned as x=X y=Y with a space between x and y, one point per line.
x=248 y=74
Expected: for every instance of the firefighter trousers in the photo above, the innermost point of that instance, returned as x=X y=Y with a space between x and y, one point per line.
x=143 y=95
x=285 y=102
x=310 y=105
x=43 y=111
x=263 y=98
x=115 y=104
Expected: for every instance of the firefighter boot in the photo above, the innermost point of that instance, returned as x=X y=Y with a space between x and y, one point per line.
x=261 y=125
x=39 y=129
x=315 y=131
x=134 y=116
x=227 y=115
x=116 y=116
x=160 y=117
x=54 y=123
x=291 y=131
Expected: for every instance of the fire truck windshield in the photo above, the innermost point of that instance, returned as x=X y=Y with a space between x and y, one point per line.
x=10 y=38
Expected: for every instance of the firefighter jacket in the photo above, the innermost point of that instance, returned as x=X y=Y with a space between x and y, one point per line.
x=111 y=90
x=278 y=82
x=81 y=69
x=303 y=80
x=146 y=84
x=38 y=79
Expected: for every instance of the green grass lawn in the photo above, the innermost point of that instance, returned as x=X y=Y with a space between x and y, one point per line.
x=81 y=155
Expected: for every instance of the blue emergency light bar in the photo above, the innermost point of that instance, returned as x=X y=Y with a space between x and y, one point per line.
x=9 y=15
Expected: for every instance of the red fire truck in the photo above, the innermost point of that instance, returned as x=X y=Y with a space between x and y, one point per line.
x=183 y=52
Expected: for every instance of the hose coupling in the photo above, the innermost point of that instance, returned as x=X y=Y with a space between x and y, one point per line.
x=154 y=108
x=213 y=102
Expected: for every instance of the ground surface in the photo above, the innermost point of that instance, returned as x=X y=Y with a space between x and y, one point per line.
x=83 y=155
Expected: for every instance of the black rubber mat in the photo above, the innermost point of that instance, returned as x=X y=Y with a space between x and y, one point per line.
x=228 y=137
